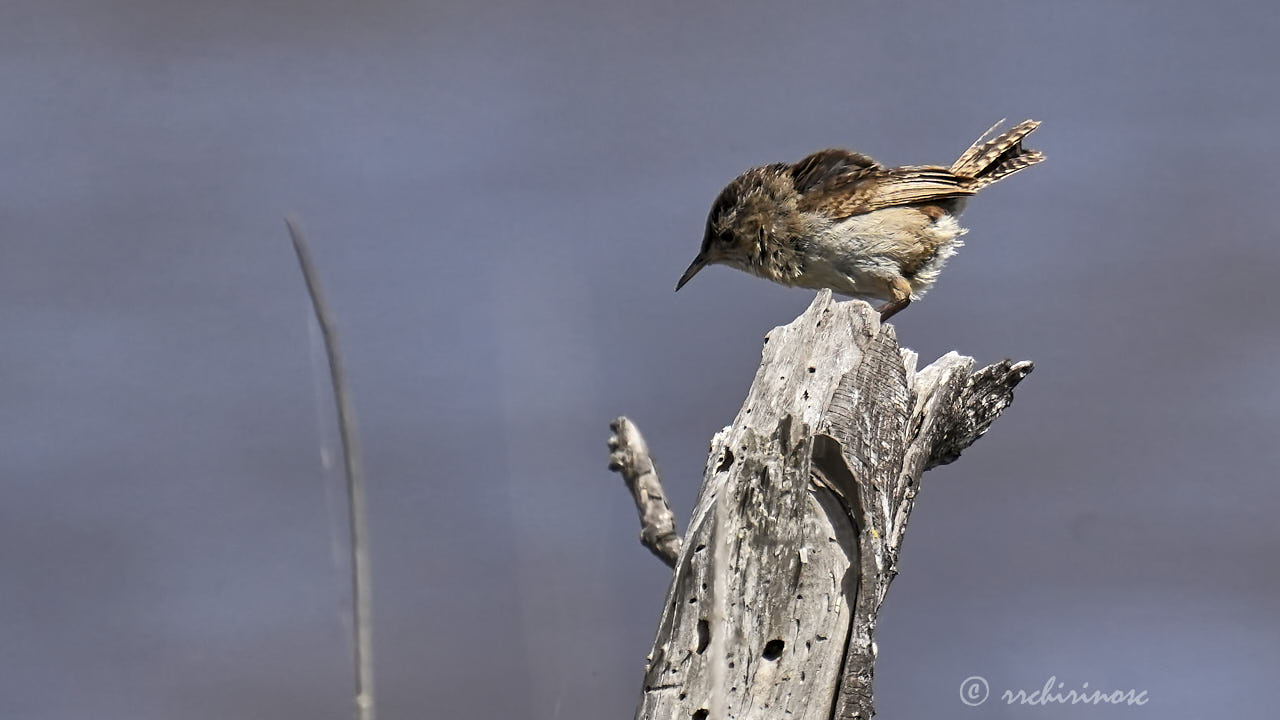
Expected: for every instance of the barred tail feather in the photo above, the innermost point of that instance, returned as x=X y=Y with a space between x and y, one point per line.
x=987 y=161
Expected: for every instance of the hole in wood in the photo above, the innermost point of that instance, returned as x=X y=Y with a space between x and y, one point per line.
x=701 y=714
x=773 y=649
x=704 y=635
x=726 y=461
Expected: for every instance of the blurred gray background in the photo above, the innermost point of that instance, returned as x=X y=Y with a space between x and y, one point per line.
x=501 y=196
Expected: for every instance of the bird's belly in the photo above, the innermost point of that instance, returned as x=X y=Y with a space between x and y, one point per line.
x=854 y=279
x=862 y=255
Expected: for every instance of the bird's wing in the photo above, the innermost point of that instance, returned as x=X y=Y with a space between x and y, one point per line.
x=861 y=191
x=826 y=165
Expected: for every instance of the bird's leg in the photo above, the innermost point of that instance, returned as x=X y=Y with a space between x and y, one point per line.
x=892 y=308
x=901 y=292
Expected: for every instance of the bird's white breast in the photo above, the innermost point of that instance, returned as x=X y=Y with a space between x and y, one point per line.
x=860 y=255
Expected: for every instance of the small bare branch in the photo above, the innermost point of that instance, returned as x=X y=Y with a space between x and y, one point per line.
x=361 y=580
x=629 y=457
x=986 y=394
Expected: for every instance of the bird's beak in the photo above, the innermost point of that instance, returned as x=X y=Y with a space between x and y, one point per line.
x=697 y=264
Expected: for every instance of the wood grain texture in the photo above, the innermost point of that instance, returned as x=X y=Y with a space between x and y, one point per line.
x=795 y=535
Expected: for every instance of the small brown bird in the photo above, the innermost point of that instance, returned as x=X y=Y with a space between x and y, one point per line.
x=839 y=220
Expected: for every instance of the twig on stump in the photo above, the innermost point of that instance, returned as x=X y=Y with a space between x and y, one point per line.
x=796 y=533
x=629 y=457
x=361 y=580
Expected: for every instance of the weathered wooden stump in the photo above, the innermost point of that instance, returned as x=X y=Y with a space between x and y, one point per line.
x=795 y=535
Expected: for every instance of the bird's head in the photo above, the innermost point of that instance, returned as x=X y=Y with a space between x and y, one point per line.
x=745 y=220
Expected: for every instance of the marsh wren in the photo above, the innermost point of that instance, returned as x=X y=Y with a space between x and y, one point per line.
x=838 y=219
